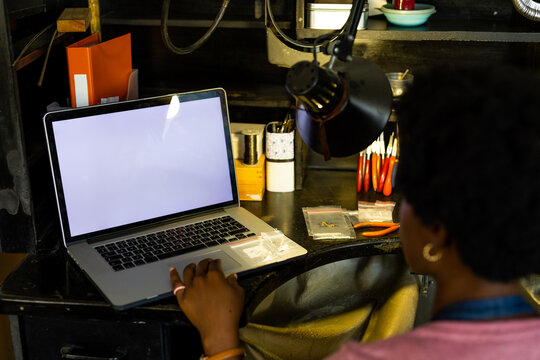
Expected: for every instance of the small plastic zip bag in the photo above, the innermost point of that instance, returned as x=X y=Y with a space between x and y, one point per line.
x=328 y=222
x=379 y=211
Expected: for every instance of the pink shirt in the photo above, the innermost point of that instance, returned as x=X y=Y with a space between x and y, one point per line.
x=445 y=339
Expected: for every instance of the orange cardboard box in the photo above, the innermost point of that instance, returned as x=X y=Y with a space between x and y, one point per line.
x=99 y=72
x=251 y=179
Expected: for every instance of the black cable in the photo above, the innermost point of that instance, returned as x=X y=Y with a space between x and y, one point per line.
x=188 y=49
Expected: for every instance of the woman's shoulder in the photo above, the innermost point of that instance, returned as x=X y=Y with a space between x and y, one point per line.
x=510 y=330
x=455 y=339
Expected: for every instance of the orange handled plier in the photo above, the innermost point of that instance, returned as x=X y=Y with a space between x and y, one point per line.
x=389 y=227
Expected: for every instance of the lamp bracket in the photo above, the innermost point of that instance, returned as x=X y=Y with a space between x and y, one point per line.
x=343 y=45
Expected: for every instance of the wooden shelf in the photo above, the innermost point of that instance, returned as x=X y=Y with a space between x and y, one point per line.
x=254 y=99
x=268 y=96
x=442 y=30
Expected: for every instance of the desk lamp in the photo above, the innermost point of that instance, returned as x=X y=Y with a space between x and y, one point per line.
x=345 y=106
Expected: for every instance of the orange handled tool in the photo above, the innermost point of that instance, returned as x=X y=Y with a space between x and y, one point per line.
x=383 y=176
x=375 y=169
x=388 y=183
x=360 y=171
x=367 y=170
x=389 y=227
x=387 y=189
x=379 y=144
x=384 y=171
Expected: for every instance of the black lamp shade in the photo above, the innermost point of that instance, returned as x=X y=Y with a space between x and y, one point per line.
x=355 y=121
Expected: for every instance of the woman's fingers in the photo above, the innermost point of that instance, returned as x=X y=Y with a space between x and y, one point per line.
x=175 y=278
x=177 y=284
x=232 y=279
x=215 y=265
x=189 y=273
x=202 y=268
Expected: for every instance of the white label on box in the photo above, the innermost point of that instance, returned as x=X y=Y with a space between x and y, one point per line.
x=81 y=90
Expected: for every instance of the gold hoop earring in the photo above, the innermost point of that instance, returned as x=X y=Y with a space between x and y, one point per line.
x=428 y=256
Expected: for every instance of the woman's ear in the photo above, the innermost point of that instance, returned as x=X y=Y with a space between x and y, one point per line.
x=438 y=236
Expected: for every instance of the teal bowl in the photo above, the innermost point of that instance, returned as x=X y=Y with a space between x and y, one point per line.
x=418 y=16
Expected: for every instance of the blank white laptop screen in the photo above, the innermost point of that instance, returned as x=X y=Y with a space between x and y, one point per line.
x=135 y=165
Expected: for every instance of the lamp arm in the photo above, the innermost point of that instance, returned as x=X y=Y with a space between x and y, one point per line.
x=344 y=44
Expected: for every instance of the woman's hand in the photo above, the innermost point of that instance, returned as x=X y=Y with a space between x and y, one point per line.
x=212 y=302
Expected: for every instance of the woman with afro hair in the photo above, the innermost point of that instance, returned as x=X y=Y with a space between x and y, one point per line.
x=469 y=215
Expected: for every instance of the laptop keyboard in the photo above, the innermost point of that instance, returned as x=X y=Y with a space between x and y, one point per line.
x=146 y=249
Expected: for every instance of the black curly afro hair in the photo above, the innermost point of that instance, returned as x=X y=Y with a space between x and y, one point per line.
x=470 y=159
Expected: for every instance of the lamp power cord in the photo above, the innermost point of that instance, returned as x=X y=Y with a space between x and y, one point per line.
x=190 y=48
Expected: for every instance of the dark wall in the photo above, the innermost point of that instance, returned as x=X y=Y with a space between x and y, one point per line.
x=235 y=58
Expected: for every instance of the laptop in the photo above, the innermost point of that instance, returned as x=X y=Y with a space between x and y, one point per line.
x=147 y=184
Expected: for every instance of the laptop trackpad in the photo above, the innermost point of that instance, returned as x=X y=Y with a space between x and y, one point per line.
x=227 y=262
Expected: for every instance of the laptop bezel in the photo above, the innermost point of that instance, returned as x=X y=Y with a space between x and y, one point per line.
x=74 y=113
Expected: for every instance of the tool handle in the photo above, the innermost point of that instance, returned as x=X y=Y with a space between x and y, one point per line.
x=359 y=173
x=381 y=232
x=367 y=175
x=374 y=224
x=387 y=188
x=384 y=173
x=375 y=170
